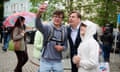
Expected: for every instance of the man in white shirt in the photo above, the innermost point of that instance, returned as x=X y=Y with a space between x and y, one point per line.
x=74 y=36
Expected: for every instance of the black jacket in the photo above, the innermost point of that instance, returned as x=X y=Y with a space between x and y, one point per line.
x=107 y=38
x=73 y=47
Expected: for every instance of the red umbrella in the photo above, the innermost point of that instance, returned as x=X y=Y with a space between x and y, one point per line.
x=29 y=19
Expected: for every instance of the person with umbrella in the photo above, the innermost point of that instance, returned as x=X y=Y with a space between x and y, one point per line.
x=19 y=38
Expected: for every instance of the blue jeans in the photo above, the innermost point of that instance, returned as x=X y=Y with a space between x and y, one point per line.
x=50 y=66
x=6 y=40
x=106 y=50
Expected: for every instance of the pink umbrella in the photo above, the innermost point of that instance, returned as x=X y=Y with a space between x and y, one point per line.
x=29 y=19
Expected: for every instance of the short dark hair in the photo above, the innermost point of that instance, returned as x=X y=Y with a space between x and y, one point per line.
x=78 y=14
x=83 y=25
x=59 y=12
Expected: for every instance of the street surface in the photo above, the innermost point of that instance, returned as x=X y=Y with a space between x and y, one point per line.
x=8 y=62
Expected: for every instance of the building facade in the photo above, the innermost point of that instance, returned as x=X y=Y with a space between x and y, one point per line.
x=13 y=6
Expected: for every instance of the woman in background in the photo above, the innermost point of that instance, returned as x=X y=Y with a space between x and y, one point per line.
x=18 y=35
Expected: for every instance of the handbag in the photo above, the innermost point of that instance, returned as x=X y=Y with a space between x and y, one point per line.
x=17 y=45
x=14 y=45
x=11 y=45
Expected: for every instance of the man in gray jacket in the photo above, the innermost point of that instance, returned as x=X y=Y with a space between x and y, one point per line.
x=54 y=42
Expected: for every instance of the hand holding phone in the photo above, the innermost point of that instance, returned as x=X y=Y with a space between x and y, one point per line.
x=43 y=7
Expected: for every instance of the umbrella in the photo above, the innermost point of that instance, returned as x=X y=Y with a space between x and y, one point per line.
x=29 y=19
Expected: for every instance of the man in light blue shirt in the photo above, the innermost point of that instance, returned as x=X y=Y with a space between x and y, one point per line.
x=74 y=33
x=74 y=36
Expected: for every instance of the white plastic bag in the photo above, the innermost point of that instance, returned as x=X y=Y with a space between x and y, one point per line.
x=104 y=67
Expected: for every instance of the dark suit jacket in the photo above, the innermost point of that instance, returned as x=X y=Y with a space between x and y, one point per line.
x=73 y=47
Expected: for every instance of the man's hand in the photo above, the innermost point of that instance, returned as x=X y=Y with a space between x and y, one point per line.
x=42 y=9
x=58 y=48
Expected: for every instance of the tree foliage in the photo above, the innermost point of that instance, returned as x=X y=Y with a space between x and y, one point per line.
x=98 y=11
x=107 y=12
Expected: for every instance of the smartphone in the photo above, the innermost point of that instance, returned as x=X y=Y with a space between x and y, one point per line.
x=45 y=3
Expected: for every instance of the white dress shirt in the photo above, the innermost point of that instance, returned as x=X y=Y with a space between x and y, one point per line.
x=74 y=33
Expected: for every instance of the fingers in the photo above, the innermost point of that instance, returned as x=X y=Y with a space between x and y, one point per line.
x=58 y=48
x=22 y=33
x=43 y=7
x=76 y=59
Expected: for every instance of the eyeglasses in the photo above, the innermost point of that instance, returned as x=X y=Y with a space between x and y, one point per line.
x=57 y=16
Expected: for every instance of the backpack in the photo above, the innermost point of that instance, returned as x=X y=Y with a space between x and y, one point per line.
x=65 y=54
x=51 y=33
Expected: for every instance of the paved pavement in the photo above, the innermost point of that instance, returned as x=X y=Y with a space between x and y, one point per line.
x=8 y=62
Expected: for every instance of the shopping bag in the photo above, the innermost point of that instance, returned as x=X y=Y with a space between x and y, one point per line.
x=17 y=45
x=11 y=45
x=104 y=67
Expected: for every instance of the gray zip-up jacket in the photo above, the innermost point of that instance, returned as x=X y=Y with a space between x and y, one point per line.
x=49 y=52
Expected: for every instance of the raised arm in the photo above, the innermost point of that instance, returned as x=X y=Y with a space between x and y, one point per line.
x=38 y=22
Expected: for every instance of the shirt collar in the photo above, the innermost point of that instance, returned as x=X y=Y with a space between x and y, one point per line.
x=76 y=27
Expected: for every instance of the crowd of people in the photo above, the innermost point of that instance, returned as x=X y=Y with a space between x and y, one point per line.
x=52 y=39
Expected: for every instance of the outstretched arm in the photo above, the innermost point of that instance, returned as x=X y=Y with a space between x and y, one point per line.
x=38 y=22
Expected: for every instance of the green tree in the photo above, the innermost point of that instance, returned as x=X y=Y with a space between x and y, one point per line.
x=98 y=11
x=36 y=3
x=106 y=12
x=53 y=5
